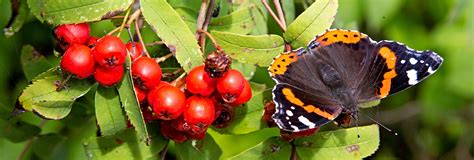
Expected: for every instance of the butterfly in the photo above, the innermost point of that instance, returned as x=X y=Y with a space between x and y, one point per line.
x=337 y=72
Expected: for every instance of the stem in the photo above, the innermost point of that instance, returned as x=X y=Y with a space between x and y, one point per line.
x=154 y=43
x=123 y=22
x=113 y=31
x=293 y=156
x=202 y=39
x=214 y=42
x=137 y=29
x=201 y=17
x=280 y=13
x=180 y=81
x=29 y=142
x=163 y=58
x=163 y=152
x=63 y=82
x=274 y=16
x=133 y=17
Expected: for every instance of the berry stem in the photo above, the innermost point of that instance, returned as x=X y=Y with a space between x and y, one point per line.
x=163 y=152
x=280 y=13
x=137 y=30
x=274 y=16
x=214 y=42
x=63 y=82
x=123 y=22
x=113 y=31
x=180 y=81
x=201 y=17
x=163 y=58
x=154 y=43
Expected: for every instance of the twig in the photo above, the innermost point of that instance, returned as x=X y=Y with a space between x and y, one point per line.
x=280 y=13
x=163 y=58
x=293 y=155
x=123 y=22
x=29 y=142
x=163 y=152
x=137 y=30
x=202 y=16
x=180 y=81
x=63 y=82
x=113 y=31
x=214 y=42
x=154 y=43
x=133 y=17
x=274 y=16
x=202 y=39
x=117 y=17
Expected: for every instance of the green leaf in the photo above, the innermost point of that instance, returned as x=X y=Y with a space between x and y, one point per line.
x=239 y=22
x=272 y=148
x=169 y=26
x=125 y=145
x=20 y=18
x=42 y=97
x=48 y=73
x=248 y=117
x=65 y=12
x=197 y=150
x=340 y=144
x=5 y=13
x=288 y=7
x=314 y=20
x=32 y=62
x=17 y=130
x=48 y=146
x=259 y=15
x=247 y=70
x=259 y=50
x=108 y=112
x=130 y=103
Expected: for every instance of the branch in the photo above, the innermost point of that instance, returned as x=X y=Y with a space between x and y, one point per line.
x=201 y=17
x=274 y=16
x=280 y=13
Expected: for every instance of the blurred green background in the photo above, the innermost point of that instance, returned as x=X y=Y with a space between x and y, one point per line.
x=433 y=119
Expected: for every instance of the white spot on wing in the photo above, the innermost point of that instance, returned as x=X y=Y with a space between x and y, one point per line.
x=412 y=77
x=292 y=108
x=402 y=61
x=430 y=70
x=296 y=129
x=422 y=61
x=287 y=118
x=306 y=122
x=289 y=113
x=413 y=61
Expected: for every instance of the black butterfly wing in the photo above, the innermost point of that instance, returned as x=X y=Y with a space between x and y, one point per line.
x=298 y=110
x=395 y=68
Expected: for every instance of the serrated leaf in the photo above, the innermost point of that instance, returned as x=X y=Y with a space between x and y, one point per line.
x=169 y=26
x=48 y=73
x=20 y=18
x=204 y=149
x=48 y=146
x=239 y=21
x=64 y=12
x=42 y=97
x=18 y=131
x=125 y=145
x=340 y=144
x=248 y=117
x=32 y=62
x=314 y=20
x=272 y=148
x=108 y=112
x=130 y=103
x=259 y=50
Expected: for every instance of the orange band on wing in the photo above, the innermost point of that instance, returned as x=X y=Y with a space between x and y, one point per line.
x=309 y=108
x=338 y=35
x=280 y=63
x=391 y=61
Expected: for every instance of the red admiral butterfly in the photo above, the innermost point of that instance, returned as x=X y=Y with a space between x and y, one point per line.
x=338 y=71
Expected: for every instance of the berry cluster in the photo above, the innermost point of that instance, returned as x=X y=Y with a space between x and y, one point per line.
x=86 y=56
x=210 y=101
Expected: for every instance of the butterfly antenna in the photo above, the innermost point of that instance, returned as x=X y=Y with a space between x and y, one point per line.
x=380 y=124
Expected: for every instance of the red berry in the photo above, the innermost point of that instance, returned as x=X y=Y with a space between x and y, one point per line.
x=171 y=133
x=154 y=91
x=73 y=33
x=108 y=76
x=199 y=82
x=109 y=51
x=134 y=49
x=180 y=125
x=198 y=136
x=245 y=96
x=78 y=60
x=199 y=112
x=146 y=73
x=147 y=114
x=168 y=102
x=230 y=85
x=92 y=41
x=141 y=94
x=224 y=117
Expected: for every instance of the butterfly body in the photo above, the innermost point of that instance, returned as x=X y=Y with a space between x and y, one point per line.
x=338 y=71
